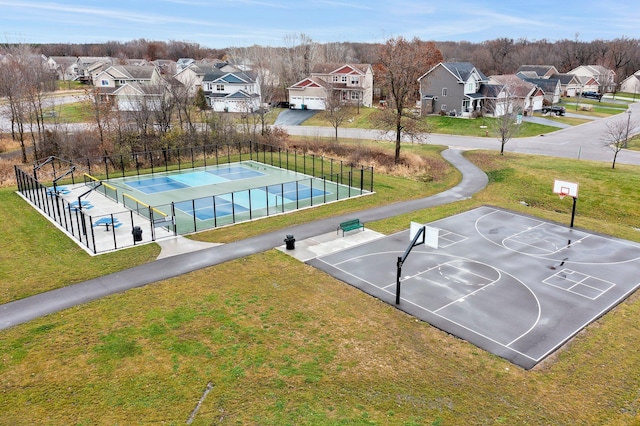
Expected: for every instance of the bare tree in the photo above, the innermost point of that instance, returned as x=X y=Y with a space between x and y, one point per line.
x=400 y=64
x=250 y=118
x=259 y=60
x=506 y=126
x=335 y=109
x=19 y=86
x=507 y=108
x=617 y=135
x=182 y=98
x=102 y=111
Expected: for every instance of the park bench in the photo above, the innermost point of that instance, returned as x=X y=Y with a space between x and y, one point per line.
x=349 y=225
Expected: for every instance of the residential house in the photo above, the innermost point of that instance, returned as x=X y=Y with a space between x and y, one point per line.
x=605 y=77
x=63 y=67
x=550 y=86
x=139 y=97
x=88 y=66
x=631 y=84
x=353 y=84
x=527 y=96
x=118 y=75
x=165 y=66
x=537 y=71
x=570 y=84
x=453 y=88
x=310 y=93
x=183 y=63
x=193 y=74
x=588 y=84
x=231 y=91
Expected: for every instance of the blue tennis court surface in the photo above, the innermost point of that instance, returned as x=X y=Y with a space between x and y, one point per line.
x=156 y=184
x=243 y=201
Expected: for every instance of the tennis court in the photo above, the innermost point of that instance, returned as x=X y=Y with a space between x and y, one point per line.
x=517 y=286
x=216 y=195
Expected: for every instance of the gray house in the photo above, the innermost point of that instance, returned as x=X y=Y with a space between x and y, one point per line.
x=460 y=89
x=453 y=88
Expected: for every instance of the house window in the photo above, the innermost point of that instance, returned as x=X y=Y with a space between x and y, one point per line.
x=355 y=80
x=444 y=91
x=220 y=87
x=355 y=96
x=336 y=78
x=344 y=78
x=104 y=82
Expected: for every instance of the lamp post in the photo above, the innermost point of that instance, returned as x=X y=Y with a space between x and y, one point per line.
x=626 y=140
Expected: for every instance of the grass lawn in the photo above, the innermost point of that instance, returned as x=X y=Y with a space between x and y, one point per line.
x=598 y=109
x=279 y=342
x=59 y=261
x=75 y=112
x=438 y=124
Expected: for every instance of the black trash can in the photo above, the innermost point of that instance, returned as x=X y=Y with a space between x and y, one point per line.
x=137 y=234
x=291 y=242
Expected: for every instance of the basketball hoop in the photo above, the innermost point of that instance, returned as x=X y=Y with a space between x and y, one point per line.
x=563 y=194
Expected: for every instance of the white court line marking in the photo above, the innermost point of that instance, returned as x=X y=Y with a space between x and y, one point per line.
x=577 y=283
x=444 y=317
x=494 y=211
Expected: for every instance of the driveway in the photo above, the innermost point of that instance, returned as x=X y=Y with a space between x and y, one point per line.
x=294 y=117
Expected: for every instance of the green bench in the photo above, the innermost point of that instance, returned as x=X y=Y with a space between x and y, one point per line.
x=349 y=225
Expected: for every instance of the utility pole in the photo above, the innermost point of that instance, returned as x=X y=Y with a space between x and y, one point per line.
x=628 y=122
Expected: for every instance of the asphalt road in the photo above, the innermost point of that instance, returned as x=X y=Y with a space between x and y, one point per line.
x=585 y=141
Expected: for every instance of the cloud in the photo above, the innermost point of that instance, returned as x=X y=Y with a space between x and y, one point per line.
x=83 y=12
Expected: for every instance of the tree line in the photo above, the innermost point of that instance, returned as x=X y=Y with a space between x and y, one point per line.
x=499 y=56
x=397 y=62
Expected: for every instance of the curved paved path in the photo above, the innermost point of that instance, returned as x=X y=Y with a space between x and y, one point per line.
x=23 y=310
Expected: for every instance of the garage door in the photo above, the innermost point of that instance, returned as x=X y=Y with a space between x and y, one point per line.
x=309 y=102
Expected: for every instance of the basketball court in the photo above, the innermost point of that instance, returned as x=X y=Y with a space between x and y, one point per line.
x=516 y=286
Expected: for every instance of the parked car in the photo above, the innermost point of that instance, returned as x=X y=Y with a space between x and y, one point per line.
x=280 y=105
x=592 y=95
x=556 y=110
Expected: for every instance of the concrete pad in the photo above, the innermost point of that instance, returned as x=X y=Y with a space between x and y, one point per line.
x=329 y=243
x=180 y=245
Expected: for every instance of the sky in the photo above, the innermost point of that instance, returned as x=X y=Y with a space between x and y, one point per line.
x=226 y=23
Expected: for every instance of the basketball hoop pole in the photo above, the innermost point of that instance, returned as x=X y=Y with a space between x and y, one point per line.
x=573 y=210
x=401 y=259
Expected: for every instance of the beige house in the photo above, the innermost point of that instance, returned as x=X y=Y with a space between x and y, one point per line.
x=353 y=82
x=605 y=77
x=119 y=75
x=631 y=84
x=139 y=97
x=64 y=67
x=310 y=93
x=529 y=96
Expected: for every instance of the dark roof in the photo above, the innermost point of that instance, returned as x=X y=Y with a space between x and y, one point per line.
x=564 y=78
x=462 y=70
x=216 y=75
x=490 y=90
x=327 y=68
x=540 y=70
x=547 y=84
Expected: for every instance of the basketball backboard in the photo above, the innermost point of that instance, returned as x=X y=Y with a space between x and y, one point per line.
x=563 y=188
x=429 y=237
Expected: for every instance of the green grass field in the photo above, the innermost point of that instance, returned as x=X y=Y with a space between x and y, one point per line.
x=280 y=343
